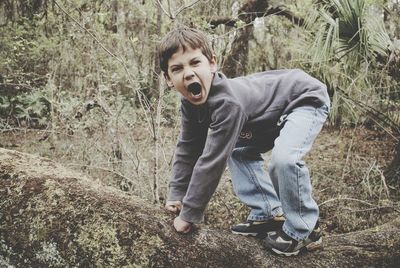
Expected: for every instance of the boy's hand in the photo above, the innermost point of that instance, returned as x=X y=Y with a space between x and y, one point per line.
x=173 y=206
x=182 y=226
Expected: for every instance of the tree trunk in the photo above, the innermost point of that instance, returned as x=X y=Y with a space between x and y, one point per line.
x=236 y=61
x=392 y=174
x=53 y=217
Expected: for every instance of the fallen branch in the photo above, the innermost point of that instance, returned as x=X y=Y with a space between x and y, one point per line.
x=54 y=217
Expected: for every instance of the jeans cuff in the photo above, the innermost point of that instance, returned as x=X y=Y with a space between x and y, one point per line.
x=276 y=212
x=293 y=235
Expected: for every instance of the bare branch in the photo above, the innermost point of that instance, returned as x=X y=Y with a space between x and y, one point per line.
x=89 y=32
x=223 y=21
x=346 y=199
x=182 y=8
x=163 y=9
x=283 y=11
x=277 y=11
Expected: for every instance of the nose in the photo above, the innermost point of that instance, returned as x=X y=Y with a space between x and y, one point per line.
x=189 y=74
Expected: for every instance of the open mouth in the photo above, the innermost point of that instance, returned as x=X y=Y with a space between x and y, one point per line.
x=194 y=88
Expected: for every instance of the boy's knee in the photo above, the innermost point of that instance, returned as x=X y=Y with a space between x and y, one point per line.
x=282 y=162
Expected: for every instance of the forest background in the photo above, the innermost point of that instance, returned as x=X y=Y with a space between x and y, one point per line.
x=80 y=83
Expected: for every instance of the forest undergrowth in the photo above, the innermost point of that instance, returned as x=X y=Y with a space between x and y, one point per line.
x=346 y=166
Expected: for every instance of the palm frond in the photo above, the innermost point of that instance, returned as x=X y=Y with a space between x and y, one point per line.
x=348 y=30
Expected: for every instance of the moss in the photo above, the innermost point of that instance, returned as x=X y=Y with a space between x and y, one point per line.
x=99 y=241
x=145 y=247
x=5 y=262
x=54 y=194
x=17 y=187
x=38 y=229
x=51 y=198
x=6 y=253
x=50 y=255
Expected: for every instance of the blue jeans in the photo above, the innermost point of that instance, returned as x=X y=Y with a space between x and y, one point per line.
x=286 y=188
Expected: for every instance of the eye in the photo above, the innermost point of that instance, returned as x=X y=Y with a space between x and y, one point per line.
x=196 y=62
x=175 y=69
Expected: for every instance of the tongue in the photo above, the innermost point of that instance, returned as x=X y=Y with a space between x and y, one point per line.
x=194 y=88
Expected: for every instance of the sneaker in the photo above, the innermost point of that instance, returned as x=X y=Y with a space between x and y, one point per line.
x=282 y=244
x=258 y=229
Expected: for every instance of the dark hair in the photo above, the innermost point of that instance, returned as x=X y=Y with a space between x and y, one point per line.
x=182 y=37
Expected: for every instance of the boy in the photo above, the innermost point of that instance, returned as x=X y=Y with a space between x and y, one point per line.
x=236 y=120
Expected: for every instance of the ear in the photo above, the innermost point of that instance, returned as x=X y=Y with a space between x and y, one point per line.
x=213 y=64
x=168 y=79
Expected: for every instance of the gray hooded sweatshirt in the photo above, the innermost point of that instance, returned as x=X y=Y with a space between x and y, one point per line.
x=244 y=111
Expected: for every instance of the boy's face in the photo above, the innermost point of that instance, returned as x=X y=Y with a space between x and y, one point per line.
x=191 y=73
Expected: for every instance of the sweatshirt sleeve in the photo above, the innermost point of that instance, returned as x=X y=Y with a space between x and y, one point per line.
x=227 y=121
x=188 y=149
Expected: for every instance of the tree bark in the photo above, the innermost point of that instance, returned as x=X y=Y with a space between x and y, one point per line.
x=236 y=61
x=392 y=173
x=54 y=217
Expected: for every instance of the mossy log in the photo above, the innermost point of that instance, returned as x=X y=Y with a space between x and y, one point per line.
x=54 y=217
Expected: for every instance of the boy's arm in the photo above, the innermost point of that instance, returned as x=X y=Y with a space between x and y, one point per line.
x=188 y=149
x=227 y=122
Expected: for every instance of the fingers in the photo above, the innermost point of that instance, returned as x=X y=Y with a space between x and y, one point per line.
x=179 y=206
x=173 y=206
x=182 y=226
x=186 y=230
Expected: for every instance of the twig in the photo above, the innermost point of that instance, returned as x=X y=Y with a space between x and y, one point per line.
x=355 y=200
x=233 y=30
x=170 y=14
x=384 y=182
x=369 y=209
x=90 y=33
x=104 y=169
x=182 y=8
x=366 y=178
x=163 y=9
x=344 y=198
x=2 y=130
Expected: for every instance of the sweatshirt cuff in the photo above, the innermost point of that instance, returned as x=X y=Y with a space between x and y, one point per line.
x=192 y=215
x=175 y=194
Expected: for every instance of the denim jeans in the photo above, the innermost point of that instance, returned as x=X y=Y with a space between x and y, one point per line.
x=287 y=186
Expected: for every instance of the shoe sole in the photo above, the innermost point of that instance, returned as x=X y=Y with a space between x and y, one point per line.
x=257 y=235
x=244 y=234
x=310 y=247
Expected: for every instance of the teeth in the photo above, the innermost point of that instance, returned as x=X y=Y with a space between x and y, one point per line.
x=196 y=96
